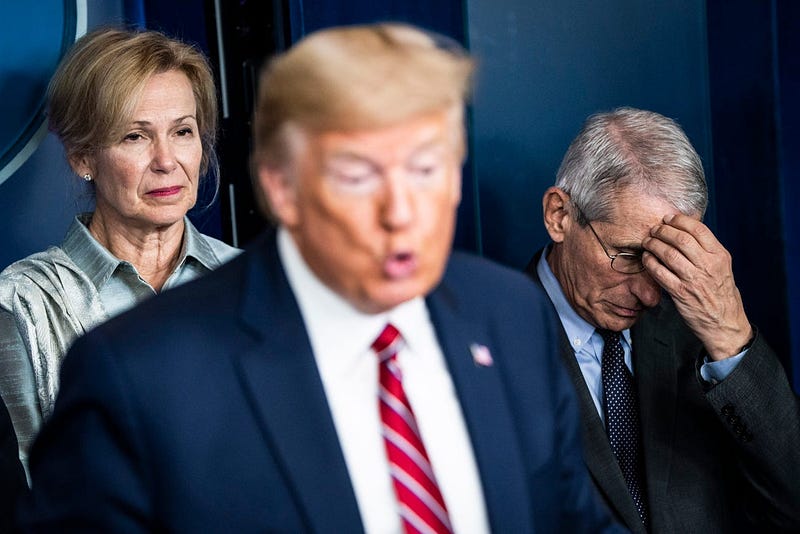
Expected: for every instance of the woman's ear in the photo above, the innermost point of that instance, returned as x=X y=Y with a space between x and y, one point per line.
x=81 y=165
x=557 y=216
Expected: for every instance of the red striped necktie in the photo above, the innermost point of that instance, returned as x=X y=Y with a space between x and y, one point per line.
x=422 y=508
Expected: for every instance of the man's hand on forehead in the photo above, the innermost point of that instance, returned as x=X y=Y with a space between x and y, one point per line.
x=686 y=259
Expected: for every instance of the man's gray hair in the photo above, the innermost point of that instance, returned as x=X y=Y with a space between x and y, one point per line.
x=631 y=148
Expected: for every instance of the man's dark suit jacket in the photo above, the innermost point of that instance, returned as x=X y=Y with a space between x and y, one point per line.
x=720 y=459
x=12 y=476
x=203 y=411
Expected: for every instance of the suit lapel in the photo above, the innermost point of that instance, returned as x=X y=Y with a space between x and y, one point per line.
x=597 y=452
x=486 y=412
x=282 y=383
x=656 y=371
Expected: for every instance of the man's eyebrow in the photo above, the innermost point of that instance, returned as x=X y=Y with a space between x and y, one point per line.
x=348 y=155
x=625 y=244
x=427 y=146
x=634 y=247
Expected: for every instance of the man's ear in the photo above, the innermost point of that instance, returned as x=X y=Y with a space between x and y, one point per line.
x=556 y=213
x=279 y=194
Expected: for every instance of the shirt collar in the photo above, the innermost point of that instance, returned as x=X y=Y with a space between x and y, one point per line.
x=196 y=247
x=87 y=253
x=99 y=264
x=579 y=332
x=332 y=321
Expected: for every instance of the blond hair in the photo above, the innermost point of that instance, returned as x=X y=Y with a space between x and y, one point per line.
x=357 y=77
x=91 y=97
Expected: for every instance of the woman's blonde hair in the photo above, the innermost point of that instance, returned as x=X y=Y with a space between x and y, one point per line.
x=91 y=97
x=358 y=77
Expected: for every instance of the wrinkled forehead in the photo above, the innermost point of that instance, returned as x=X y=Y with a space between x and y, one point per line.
x=634 y=212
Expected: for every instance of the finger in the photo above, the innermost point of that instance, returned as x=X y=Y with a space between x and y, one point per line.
x=683 y=238
x=695 y=227
x=659 y=272
x=678 y=261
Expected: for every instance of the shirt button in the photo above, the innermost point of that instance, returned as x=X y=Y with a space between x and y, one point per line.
x=577 y=342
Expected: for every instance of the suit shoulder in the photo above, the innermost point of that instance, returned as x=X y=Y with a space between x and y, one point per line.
x=480 y=278
x=42 y=277
x=29 y=269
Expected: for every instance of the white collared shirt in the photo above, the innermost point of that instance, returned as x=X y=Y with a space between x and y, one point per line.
x=340 y=338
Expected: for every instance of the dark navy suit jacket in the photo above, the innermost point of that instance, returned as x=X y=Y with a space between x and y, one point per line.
x=12 y=476
x=203 y=411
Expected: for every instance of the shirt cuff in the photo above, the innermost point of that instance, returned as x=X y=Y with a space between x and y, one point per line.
x=715 y=372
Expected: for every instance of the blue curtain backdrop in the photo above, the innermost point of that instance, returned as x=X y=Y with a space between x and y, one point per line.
x=744 y=51
x=786 y=16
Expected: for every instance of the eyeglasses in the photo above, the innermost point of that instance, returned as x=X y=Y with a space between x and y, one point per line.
x=622 y=262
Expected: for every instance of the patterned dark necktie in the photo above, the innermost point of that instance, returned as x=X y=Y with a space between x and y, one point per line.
x=421 y=505
x=621 y=406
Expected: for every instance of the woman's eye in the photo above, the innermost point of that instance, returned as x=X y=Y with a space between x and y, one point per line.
x=134 y=136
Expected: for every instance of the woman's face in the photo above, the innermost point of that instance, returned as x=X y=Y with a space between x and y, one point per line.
x=148 y=178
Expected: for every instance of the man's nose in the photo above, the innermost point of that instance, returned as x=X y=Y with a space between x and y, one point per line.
x=646 y=289
x=398 y=208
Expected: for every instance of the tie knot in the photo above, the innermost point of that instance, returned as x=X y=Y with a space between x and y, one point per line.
x=609 y=336
x=386 y=340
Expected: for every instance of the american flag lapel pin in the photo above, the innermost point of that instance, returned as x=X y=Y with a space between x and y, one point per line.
x=481 y=355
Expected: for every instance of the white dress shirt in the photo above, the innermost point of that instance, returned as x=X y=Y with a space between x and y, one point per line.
x=341 y=337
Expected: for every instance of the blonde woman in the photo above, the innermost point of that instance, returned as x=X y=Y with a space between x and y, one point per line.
x=137 y=114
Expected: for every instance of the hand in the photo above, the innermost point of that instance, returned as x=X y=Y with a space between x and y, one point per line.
x=687 y=260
